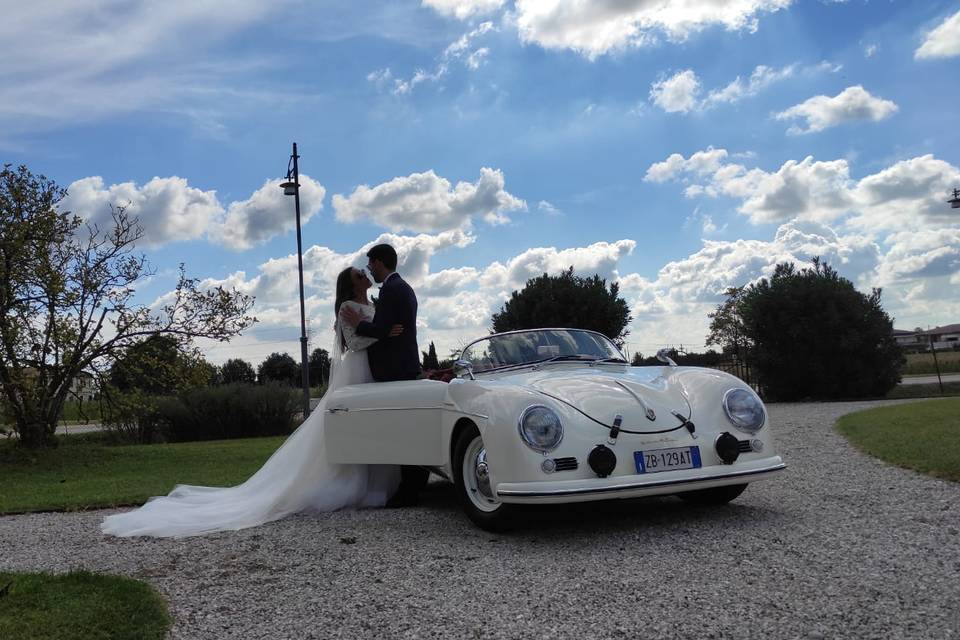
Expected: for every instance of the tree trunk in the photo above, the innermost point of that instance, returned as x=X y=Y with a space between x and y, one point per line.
x=37 y=435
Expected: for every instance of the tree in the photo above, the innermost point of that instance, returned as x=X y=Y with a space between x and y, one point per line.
x=159 y=365
x=279 y=367
x=319 y=365
x=815 y=336
x=236 y=370
x=430 y=360
x=726 y=325
x=67 y=301
x=566 y=300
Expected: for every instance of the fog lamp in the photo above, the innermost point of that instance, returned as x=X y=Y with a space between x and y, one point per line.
x=602 y=460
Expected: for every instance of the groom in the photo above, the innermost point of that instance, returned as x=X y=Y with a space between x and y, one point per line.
x=392 y=357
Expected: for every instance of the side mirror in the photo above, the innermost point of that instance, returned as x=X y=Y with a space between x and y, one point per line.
x=663 y=355
x=463 y=369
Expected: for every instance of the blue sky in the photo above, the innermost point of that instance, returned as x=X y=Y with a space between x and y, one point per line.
x=676 y=147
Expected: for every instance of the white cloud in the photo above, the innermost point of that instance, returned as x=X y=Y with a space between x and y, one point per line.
x=80 y=62
x=267 y=213
x=601 y=258
x=702 y=162
x=463 y=9
x=761 y=78
x=942 y=42
x=460 y=49
x=168 y=209
x=910 y=192
x=870 y=50
x=678 y=93
x=850 y=105
x=428 y=202
x=476 y=59
x=594 y=28
x=548 y=208
x=681 y=91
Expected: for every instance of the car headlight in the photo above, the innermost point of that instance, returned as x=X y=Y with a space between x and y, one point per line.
x=540 y=428
x=744 y=410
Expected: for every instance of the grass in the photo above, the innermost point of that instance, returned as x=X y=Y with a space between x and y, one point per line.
x=79 y=606
x=950 y=388
x=922 y=363
x=86 y=473
x=923 y=436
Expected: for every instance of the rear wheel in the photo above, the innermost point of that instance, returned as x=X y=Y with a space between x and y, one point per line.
x=713 y=496
x=472 y=482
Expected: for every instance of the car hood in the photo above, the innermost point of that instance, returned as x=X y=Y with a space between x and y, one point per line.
x=647 y=400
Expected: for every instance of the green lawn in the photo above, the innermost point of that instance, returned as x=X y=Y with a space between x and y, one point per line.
x=923 y=436
x=79 y=606
x=82 y=473
x=950 y=388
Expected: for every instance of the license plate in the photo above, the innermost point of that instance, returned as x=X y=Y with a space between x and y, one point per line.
x=667 y=459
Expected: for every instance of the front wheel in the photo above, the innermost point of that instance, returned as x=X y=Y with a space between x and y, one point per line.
x=714 y=496
x=472 y=482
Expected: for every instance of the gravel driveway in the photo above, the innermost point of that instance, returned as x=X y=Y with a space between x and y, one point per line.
x=841 y=545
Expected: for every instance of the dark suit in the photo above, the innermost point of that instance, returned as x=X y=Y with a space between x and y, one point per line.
x=398 y=357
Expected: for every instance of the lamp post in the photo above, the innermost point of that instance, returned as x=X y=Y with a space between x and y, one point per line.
x=291 y=187
x=955 y=200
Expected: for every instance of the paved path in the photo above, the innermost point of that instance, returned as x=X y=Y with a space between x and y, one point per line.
x=841 y=546
x=947 y=377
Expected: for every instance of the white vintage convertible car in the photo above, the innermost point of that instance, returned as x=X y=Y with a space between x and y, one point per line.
x=558 y=415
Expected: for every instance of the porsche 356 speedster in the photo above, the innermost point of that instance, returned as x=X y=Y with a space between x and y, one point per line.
x=558 y=415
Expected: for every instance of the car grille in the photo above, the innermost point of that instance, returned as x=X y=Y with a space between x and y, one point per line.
x=744 y=446
x=566 y=464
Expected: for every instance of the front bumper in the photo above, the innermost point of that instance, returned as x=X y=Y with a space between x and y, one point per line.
x=638 y=485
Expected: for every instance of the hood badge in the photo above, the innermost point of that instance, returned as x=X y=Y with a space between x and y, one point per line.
x=647 y=410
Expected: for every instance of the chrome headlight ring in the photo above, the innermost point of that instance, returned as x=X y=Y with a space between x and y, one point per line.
x=540 y=428
x=744 y=410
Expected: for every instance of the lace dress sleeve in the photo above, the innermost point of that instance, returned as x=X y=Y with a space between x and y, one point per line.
x=354 y=342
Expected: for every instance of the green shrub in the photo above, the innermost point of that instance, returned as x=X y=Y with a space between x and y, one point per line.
x=228 y=411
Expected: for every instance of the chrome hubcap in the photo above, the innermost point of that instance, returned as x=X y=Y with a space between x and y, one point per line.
x=476 y=477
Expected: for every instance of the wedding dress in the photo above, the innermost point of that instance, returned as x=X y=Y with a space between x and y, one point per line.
x=296 y=478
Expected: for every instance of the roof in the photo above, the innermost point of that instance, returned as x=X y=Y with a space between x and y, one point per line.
x=947 y=328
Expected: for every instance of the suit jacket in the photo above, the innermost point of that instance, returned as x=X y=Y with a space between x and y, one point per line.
x=398 y=357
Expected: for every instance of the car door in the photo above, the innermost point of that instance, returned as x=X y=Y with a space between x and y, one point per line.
x=386 y=423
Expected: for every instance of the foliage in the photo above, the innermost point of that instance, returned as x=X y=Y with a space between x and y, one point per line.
x=319 y=365
x=279 y=367
x=229 y=411
x=566 y=300
x=67 y=301
x=709 y=358
x=237 y=370
x=80 y=605
x=430 y=360
x=726 y=325
x=86 y=472
x=159 y=365
x=816 y=337
x=921 y=435
x=146 y=370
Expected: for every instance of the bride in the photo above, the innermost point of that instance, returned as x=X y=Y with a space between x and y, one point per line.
x=297 y=477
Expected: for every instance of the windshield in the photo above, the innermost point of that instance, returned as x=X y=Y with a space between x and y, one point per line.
x=538 y=345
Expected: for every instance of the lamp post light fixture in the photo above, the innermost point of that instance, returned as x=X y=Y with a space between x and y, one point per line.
x=955 y=200
x=291 y=187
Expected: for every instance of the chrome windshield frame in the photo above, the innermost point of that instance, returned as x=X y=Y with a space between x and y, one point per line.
x=536 y=362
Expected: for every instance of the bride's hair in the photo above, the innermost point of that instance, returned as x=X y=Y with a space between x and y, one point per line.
x=345 y=292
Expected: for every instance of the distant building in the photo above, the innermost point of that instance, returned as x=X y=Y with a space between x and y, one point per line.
x=943 y=338
x=84 y=387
